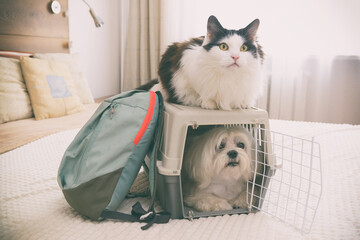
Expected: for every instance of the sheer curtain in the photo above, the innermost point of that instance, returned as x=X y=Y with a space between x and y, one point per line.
x=312 y=48
x=141 y=50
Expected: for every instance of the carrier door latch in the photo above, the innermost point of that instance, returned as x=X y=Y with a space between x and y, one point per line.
x=195 y=125
x=191 y=215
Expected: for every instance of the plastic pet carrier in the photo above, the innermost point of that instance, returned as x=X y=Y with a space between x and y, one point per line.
x=287 y=185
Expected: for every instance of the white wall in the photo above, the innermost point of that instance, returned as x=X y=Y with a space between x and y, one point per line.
x=99 y=47
x=287 y=27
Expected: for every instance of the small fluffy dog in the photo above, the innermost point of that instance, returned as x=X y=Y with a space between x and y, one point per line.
x=216 y=168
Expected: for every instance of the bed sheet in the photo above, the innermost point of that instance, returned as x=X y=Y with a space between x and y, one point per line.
x=17 y=133
x=32 y=205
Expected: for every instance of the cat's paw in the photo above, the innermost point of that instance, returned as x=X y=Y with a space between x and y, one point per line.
x=209 y=105
x=246 y=104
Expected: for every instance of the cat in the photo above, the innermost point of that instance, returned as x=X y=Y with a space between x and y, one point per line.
x=221 y=70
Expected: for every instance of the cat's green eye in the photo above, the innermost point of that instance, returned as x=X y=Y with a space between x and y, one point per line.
x=243 y=48
x=223 y=46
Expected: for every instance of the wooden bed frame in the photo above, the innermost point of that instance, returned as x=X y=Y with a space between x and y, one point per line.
x=30 y=26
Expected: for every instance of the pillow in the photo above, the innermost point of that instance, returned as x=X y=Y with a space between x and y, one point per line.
x=50 y=87
x=14 y=98
x=73 y=62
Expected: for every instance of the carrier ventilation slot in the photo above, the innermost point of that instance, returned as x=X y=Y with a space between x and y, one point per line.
x=251 y=128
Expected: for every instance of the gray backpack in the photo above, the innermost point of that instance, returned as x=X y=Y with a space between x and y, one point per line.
x=102 y=162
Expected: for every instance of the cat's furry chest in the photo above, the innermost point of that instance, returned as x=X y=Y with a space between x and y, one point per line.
x=200 y=81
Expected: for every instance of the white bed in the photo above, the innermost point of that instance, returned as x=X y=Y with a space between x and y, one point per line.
x=32 y=205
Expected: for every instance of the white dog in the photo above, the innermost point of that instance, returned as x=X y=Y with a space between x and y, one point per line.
x=216 y=168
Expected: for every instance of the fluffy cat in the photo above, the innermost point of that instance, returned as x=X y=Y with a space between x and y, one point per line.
x=219 y=71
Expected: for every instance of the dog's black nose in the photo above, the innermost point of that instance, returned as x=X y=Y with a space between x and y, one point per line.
x=232 y=154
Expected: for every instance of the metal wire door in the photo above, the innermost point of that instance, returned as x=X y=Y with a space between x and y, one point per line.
x=287 y=181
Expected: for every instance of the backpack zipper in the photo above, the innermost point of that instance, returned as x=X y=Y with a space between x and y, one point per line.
x=112 y=107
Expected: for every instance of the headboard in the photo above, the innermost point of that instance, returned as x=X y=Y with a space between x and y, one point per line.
x=30 y=26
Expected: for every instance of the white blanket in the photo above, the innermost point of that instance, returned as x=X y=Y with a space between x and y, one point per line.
x=32 y=205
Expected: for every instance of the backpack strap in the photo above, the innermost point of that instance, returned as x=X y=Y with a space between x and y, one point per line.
x=138 y=214
x=154 y=152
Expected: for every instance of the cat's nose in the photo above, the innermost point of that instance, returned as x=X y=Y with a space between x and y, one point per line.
x=235 y=58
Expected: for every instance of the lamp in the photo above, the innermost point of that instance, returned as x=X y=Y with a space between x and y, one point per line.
x=97 y=20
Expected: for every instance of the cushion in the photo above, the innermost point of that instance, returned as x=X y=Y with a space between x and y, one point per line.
x=14 y=98
x=73 y=62
x=50 y=87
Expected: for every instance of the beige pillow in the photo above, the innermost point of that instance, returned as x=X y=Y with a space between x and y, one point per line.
x=73 y=62
x=14 y=98
x=50 y=87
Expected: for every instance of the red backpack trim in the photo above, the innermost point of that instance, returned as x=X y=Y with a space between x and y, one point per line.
x=147 y=118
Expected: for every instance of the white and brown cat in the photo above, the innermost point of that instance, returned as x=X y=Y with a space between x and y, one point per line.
x=219 y=71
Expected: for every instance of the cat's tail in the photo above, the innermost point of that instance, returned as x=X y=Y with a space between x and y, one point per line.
x=147 y=86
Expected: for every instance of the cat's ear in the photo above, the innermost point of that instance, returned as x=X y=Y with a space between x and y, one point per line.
x=251 y=29
x=214 y=28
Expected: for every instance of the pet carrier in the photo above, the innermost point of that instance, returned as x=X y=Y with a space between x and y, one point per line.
x=267 y=191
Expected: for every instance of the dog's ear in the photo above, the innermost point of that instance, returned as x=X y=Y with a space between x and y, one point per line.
x=204 y=172
x=198 y=160
x=200 y=167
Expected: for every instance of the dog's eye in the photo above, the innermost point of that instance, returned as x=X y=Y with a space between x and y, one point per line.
x=241 y=145
x=221 y=146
